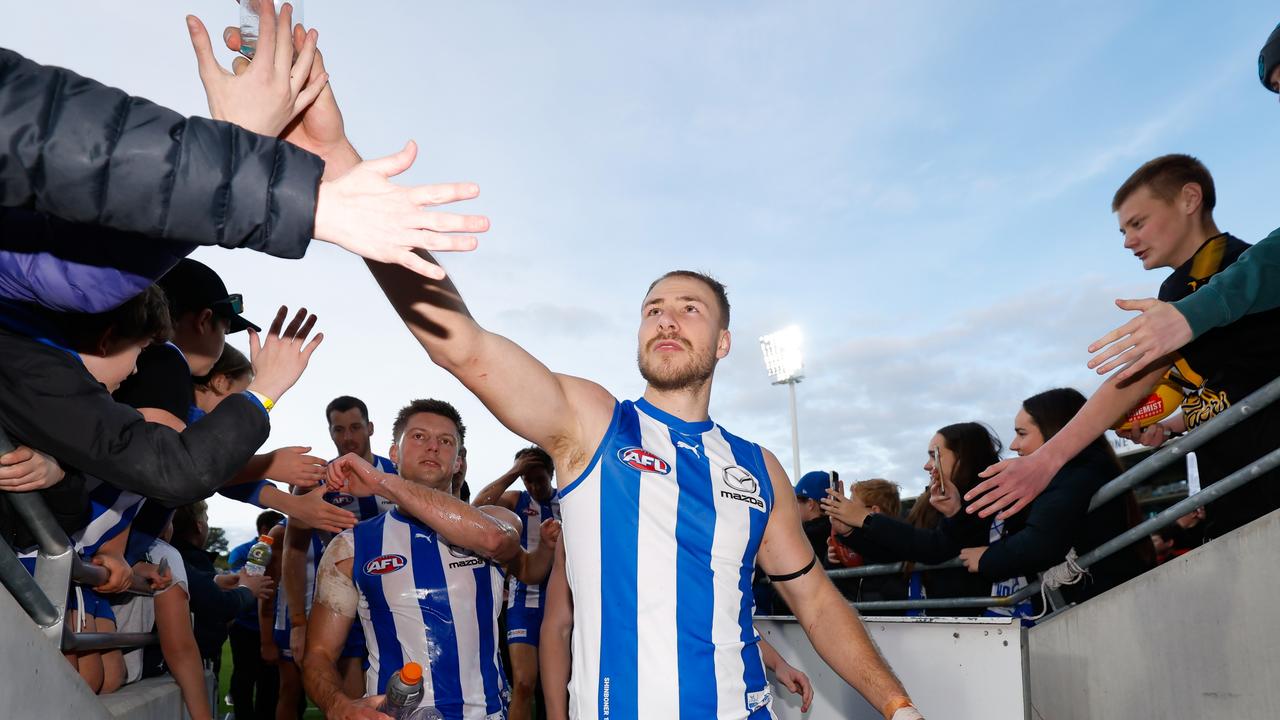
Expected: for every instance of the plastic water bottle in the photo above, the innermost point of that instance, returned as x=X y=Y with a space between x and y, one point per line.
x=249 y=22
x=259 y=556
x=404 y=692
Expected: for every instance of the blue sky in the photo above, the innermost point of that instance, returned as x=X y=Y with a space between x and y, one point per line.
x=924 y=187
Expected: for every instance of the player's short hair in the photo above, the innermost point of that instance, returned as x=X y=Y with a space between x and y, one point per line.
x=881 y=493
x=344 y=403
x=433 y=406
x=537 y=452
x=267 y=520
x=1165 y=177
x=717 y=288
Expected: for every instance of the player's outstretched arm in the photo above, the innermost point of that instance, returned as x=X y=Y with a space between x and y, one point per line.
x=1012 y=484
x=833 y=626
x=335 y=605
x=475 y=529
x=554 y=655
x=563 y=414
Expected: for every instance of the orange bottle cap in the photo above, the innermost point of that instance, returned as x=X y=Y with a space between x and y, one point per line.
x=411 y=673
x=266 y=539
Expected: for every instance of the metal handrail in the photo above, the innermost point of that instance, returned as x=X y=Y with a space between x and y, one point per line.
x=1180 y=447
x=24 y=589
x=1162 y=458
x=44 y=595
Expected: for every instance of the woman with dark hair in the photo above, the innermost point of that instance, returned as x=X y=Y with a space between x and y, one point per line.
x=230 y=375
x=957 y=453
x=1059 y=519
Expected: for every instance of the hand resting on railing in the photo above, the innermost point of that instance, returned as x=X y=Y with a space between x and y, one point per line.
x=25 y=469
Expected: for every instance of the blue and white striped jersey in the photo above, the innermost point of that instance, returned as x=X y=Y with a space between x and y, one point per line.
x=425 y=601
x=111 y=510
x=532 y=514
x=364 y=508
x=660 y=535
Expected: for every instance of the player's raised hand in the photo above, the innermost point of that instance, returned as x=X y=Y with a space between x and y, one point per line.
x=1158 y=330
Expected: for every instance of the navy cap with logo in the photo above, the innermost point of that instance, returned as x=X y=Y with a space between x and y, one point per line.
x=192 y=286
x=1269 y=58
x=814 y=485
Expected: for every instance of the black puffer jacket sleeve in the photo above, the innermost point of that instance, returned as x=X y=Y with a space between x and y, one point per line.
x=901 y=541
x=79 y=150
x=1053 y=520
x=48 y=401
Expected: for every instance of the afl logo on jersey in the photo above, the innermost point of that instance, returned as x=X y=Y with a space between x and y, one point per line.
x=339 y=499
x=643 y=460
x=384 y=564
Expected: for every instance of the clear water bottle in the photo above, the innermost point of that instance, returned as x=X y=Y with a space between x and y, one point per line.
x=259 y=556
x=404 y=693
x=249 y=22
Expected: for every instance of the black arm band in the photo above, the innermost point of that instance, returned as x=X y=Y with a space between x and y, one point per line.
x=794 y=575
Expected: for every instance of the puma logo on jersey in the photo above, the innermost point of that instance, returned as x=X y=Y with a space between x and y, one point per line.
x=690 y=448
x=643 y=460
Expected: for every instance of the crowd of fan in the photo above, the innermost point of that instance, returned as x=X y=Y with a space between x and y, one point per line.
x=129 y=409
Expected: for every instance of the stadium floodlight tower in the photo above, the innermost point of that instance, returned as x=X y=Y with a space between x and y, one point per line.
x=785 y=365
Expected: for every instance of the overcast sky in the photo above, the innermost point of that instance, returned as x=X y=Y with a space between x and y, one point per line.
x=923 y=187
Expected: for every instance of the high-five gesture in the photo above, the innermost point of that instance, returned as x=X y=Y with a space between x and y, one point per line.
x=263 y=95
x=353 y=474
x=281 y=358
x=1158 y=330
x=319 y=127
x=365 y=213
x=359 y=209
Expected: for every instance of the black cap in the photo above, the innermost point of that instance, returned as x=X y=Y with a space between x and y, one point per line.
x=1269 y=58
x=192 y=286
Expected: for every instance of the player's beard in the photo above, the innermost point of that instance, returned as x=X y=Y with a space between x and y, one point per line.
x=666 y=376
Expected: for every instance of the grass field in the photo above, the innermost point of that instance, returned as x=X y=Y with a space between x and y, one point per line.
x=224 y=685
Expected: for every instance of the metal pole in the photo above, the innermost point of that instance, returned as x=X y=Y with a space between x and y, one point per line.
x=795 y=434
x=24 y=589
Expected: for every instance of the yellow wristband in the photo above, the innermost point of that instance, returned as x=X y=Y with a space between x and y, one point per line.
x=267 y=403
x=896 y=703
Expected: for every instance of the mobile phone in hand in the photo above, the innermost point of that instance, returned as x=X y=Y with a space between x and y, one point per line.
x=937 y=487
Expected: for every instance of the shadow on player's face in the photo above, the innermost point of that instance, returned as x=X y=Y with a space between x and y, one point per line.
x=680 y=336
